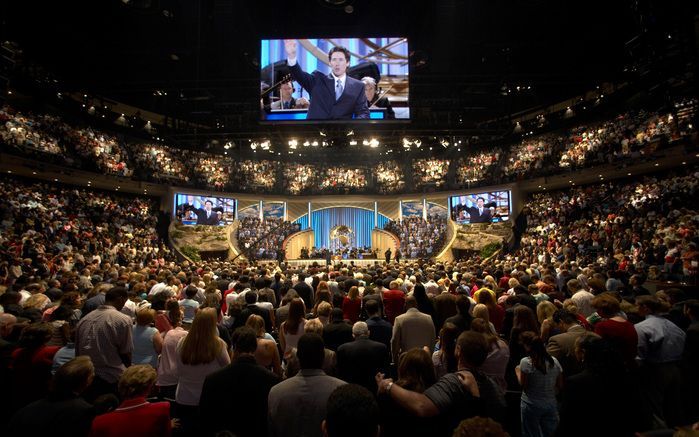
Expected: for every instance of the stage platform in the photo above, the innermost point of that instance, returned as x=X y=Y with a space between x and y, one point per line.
x=357 y=262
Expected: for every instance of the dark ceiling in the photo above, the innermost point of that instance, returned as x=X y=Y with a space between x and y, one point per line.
x=204 y=53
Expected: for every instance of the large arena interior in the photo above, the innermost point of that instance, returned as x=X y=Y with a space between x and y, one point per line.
x=349 y=218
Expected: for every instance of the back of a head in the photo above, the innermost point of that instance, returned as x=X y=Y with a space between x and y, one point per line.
x=479 y=427
x=352 y=411
x=337 y=315
x=372 y=307
x=137 y=380
x=73 y=377
x=250 y=297
x=473 y=348
x=410 y=302
x=115 y=294
x=310 y=351
x=564 y=316
x=244 y=340
x=360 y=329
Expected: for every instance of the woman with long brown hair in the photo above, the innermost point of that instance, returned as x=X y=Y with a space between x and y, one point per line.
x=540 y=376
x=293 y=328
x=444 y=359
x=416 y=373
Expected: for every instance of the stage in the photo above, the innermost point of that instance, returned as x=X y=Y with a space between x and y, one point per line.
x=321 y=262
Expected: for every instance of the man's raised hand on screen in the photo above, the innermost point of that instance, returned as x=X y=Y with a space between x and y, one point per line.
x=290 y=46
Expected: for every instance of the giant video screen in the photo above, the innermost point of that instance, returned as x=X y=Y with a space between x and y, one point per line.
x=334 y=79
x=195 y=209
x=489 y=207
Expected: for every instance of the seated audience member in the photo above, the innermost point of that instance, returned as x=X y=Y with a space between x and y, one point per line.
x=135 y=416
x=351 y=411
x=63 y=411
x=234 y=399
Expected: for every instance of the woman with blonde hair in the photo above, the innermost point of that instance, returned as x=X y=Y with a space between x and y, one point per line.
x=267 y=353
x=200 y=353
x=544 y=313
x=480 y=311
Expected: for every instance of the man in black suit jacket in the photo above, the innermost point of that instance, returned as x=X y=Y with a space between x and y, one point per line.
x=250 y=309
x=481 y=213
x=207 y=215
x=359 y=361
x=335 y=96
x=337 y=332
x=234 y=398
x=379 y=329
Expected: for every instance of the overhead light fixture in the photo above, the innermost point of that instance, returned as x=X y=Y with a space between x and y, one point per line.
x=374 y=143
x=353 y=142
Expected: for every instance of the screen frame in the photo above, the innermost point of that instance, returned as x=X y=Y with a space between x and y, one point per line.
x=352 y=122
x=222 y=223
x=476 y=194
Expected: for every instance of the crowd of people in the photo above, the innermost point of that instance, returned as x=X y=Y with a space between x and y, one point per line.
x=630 y=135
x=419 y=238
x=262 y=239
x=646 y=223
x=299 y=178
x=101 y=324
x=342 y=179
x=477 y=168
x=530 y=157
x=30 y=133
x=430 y=173
x=160 y=163
x=389 y=177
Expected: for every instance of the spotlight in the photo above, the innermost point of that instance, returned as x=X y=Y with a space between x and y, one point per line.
x=293 y=144
x=353 y=142
x=374 y=143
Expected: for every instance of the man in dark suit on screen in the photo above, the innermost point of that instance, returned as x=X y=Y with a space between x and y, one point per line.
x=207 y=215
x=482 y=212
x=335 y=96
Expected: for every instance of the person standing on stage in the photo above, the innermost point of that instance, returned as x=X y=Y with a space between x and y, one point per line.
x=388 y=256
